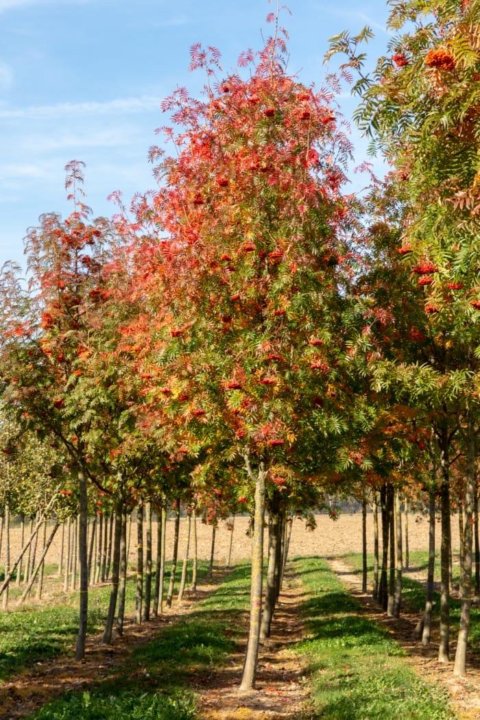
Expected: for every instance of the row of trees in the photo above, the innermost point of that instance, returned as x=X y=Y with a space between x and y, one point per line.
x=251 y=336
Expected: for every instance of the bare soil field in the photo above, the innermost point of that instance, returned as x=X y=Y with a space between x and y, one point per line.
x=329 y=538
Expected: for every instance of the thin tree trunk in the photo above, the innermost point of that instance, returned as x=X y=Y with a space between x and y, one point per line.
x=41 y=573
x=83 y=560
x=461 y=583
x=286 y=548
x=376 y=557
x=1 y=533
x=7 y=573
x=270 y=595
x=122 y=589
x=40 y=563
x=91 y=552
x=148 y=562
x=22 y=542
x=212 y=549
x=230 y=546
x=33 y=558
x=98 y=563
x=109 y=547
x=139 y=590
x=398 y=556
x=68 y=558
x=26 y=546
x=279 y=553
x=383 y=588
x=156 y=586
x=444 y=646
x=76 y=550
x=106 y=523
x=477 y=544
x=391 y=523
x=364 y=545
x=407 y=538
x=193 y=586
x=117 y=541
x=183 y=579
x=251 y=658
x=466 y=574
x=171 y=585
x=62 y=550
x=162 y=558
x=427 y=615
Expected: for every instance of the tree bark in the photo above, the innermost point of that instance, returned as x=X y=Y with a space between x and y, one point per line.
x=122 y=588
x=139 y=586
x=193 y=586
x=466 y=573
x=251 y=658
x=7 y=573
x=41 y=574
x=398 y=556
x=98 y=563
x=162 y=558
x=444 y=646
x=148 y=562
x=91 y=555
x=68 y=558
x=477 y=544
x=109 y=554
x=117 y=540
x=364 y=545
x=391 y=580
x=183 y=579
x=83 y=559
x=40 y=563
x=76 y=529
x=407 y=538
x=232 y=528
x=383 y=587
x=173 y=571
x=376 y=558
x=26 y=546
x=271 y=590
x=62 y=550
x=22 y=542
x=212 y=549
x=427 y=615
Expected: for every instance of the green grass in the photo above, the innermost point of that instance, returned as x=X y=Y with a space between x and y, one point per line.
x=358 y=671
x=38 y=632
x=155 y=682
x=413 y=591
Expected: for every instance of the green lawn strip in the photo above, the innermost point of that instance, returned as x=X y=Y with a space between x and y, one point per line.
x=155 y=683
x=358 y=672
x=413 y=591
x=38 y=632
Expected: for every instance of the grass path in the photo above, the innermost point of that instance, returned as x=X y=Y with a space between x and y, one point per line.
x=358 y=670
x=465 y=692
x=330 y=657
x=145 y=674
x=281 y=688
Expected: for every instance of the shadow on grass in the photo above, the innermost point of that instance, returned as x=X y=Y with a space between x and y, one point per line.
x=358 y=671
x=154 y=682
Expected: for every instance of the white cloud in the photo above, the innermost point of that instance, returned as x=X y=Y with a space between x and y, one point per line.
x=6 y=76
x=22 y=170
x=92 y=138
x=117 y=106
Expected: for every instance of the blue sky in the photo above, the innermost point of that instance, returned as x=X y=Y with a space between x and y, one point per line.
x=84 y=79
